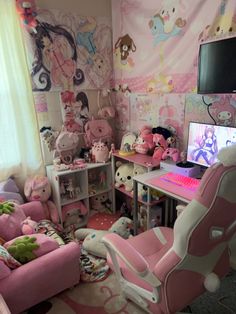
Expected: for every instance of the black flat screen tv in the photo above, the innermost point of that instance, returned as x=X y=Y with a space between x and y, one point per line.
x=217 y=67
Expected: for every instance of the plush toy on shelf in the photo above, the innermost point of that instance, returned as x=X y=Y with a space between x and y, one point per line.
x=144 y=142
x=142 y=190
x=66 y=146
x=38 y=188
x=160 y=136
x=100 y=152
x=124 y=175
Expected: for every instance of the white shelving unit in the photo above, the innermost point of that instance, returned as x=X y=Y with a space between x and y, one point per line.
x=94 y=179
x=150 y=164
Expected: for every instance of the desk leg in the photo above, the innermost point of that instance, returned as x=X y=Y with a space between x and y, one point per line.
x=135 y=215
x=167 y=204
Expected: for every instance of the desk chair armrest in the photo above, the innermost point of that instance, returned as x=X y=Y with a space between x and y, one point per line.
x=132 y=258
x=127 y=253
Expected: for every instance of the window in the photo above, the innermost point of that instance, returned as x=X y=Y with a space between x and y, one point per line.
x=20 y=152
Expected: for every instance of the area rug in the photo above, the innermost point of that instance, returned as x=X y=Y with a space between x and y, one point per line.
x=102 y=297
x=105 y=297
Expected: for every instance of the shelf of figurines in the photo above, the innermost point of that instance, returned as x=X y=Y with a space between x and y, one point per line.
x=72 y=187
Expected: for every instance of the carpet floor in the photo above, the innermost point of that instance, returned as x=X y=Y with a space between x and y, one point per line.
x=105 y=297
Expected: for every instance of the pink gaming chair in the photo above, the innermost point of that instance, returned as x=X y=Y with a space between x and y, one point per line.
x=163 y=270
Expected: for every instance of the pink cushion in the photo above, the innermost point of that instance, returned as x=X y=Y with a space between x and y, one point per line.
x=45 y=243
x=10 y=225
x=4 y=270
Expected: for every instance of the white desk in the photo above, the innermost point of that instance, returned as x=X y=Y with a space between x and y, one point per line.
x=144 y=179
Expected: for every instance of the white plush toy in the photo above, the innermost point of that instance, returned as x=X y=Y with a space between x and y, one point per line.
x=124 y=175
x=93 y=238
x=141 y=188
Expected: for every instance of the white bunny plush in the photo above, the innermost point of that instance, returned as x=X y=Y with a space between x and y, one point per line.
x=93 y=238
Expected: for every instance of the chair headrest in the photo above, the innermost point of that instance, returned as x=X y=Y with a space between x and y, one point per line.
x=227 y=155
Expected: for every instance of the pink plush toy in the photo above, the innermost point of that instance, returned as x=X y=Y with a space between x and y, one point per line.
x=28 y=226
x=160 y=146
x=144 y=142
x=38 y=188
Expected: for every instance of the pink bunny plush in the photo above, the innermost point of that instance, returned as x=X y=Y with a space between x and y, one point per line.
x=38 y=188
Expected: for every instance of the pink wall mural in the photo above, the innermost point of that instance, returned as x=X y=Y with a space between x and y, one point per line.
x=155 y=42
x=155 y=54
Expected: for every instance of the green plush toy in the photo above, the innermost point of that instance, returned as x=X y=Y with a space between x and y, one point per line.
x=22 y=249
x=6 y=208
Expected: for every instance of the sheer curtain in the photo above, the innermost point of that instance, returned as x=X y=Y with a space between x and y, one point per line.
x=20 y=152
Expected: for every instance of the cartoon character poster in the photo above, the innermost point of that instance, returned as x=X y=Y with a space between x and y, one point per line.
x=70 y=51
x=75 y=110
x=156 y=42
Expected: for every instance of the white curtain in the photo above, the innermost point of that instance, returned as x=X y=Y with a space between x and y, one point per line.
x=20 y=152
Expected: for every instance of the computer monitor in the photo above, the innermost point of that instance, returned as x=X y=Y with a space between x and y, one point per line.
x=205 y=141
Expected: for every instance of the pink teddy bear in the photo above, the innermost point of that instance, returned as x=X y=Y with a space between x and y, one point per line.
x=38 y=188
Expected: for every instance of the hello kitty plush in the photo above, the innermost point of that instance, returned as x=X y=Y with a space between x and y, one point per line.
x=38 y=188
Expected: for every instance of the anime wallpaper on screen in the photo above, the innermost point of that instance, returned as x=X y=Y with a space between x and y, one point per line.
x=205 y=141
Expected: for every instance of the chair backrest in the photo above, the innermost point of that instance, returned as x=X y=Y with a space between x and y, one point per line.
x=202 y=233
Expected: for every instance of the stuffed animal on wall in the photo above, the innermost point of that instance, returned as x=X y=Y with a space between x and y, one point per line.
x=38 y=188
x=93 y=238
x=66 y=146
x=124 y=175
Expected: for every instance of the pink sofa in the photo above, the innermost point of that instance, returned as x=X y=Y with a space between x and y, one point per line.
x=42 y=277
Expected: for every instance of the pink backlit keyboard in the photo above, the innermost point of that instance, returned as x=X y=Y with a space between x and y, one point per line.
x=180 y=180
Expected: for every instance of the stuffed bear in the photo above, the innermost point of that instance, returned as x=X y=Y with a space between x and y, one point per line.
x=142 y=190
x=38 y=188
x=93 y=238
x=124 y=175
